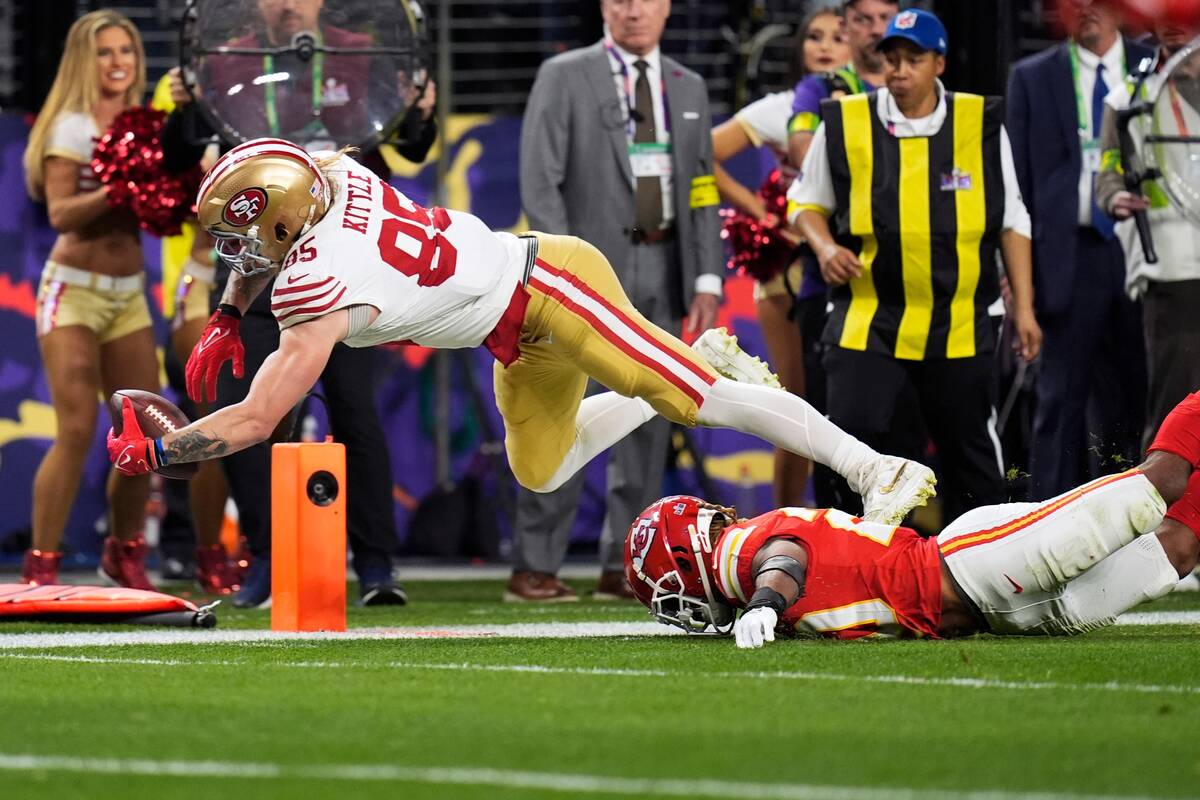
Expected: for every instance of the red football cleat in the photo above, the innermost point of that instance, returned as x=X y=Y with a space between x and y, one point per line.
x=40 y=567
x=214 y=573
x=124 y=563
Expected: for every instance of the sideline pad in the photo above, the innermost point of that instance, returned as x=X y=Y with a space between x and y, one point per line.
x=99 y=604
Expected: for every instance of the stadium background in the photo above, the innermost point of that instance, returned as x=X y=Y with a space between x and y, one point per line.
x=488 y=55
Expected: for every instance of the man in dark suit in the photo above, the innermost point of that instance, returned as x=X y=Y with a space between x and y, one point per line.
x=1091 y=380
x=616 y=148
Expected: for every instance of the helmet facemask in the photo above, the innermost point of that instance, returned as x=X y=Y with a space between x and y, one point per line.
x=670 y=604
x=242 y=251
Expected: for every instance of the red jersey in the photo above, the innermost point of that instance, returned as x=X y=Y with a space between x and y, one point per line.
x=863 y=578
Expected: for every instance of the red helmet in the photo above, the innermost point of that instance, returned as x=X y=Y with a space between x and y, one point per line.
x=668 y=562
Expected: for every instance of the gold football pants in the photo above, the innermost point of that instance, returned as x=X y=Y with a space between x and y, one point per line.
x=580 y=324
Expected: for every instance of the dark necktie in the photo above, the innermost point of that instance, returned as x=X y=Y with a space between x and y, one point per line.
x=1100 y=221
x=648 y=215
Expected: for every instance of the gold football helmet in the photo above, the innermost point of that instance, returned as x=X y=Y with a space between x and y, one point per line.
x=258 y=199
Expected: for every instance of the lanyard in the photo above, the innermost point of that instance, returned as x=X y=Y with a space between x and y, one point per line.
x=1081 y=104
x=630 y=125
x=318 y=69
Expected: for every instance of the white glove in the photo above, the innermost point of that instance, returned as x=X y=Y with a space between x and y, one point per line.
x=755 y=627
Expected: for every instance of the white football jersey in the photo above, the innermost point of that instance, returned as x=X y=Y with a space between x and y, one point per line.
x=438 y=278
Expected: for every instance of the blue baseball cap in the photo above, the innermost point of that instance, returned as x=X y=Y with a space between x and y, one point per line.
x=918 y=26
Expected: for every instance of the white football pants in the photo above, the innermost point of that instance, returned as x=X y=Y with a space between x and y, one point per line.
x=1064 y=566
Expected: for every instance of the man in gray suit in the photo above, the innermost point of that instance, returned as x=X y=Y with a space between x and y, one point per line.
x=616 y=149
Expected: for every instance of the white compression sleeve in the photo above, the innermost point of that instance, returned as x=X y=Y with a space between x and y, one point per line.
x=602 y=421
x=1138 y=572
x=786 y=421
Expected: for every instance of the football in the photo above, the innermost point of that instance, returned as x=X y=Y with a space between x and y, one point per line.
x=157 y=417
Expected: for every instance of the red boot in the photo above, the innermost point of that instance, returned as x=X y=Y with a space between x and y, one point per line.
x=40 y=567
x=124 y=563
x=214 y=573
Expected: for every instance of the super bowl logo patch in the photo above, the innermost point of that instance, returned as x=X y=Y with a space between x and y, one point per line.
x=245 y=207
x=955 y=181
x=335 y=94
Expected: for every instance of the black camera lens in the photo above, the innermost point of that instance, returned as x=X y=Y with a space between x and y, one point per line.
x=322 y=488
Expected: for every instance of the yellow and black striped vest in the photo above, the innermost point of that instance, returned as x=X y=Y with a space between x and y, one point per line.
x=925 y=215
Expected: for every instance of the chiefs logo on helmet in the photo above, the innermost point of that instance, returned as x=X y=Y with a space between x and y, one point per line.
x=640 y=537
x=668 y=563
x=245 y=207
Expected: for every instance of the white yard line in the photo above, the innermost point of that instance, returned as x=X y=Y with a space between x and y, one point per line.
x=542 y=630
x=542 y=669
x=511 y=779
x=1160 y=618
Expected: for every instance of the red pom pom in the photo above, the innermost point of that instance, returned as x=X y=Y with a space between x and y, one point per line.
x=128 y=160
x=758 y=248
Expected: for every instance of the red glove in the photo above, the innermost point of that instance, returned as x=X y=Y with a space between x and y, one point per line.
x=219 y=343
x=132 y=453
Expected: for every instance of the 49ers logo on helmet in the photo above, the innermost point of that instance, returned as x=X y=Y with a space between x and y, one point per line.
x=245 y=207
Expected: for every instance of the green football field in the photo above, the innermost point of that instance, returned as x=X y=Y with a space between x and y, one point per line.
x=494 y=700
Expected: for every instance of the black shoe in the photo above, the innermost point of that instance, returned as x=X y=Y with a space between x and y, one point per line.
x=377 y=586
x=382 y=594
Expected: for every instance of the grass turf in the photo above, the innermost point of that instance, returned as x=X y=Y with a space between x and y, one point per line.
x=1043 y=719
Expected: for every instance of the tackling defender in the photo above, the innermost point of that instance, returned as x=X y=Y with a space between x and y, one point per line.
x=1064 y=566
x=356 y=261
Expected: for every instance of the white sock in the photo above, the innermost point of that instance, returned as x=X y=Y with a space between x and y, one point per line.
x=786 y=421
x=1138 y=572
x=602 y=421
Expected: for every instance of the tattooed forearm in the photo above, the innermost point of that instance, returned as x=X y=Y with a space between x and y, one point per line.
x=195 y=446
x=240 y=290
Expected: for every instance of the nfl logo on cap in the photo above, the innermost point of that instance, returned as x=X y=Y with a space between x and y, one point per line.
x=919 y=27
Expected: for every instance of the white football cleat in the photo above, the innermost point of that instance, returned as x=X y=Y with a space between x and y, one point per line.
x=892 y=486
x=720 y=349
